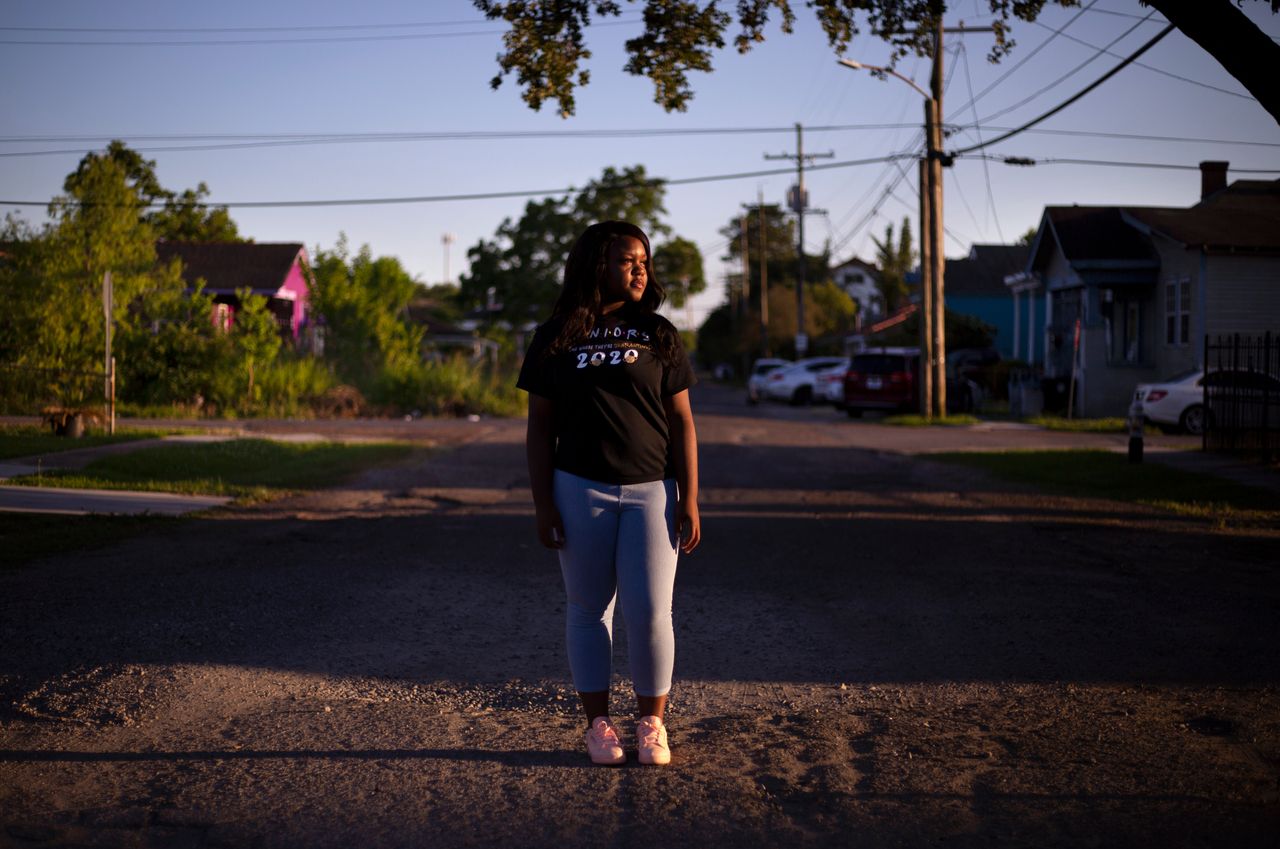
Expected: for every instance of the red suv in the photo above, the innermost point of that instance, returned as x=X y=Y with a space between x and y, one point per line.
x=882 y=379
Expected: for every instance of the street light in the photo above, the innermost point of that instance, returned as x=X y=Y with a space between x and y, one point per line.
x=862 y=66
x=933 y=379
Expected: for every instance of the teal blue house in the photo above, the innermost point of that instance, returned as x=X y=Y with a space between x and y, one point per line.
x=976 y=286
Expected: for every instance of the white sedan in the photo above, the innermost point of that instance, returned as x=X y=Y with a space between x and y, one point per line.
x=795 y=383
x=828 y=386
x=760 y=371
x=1179 y=401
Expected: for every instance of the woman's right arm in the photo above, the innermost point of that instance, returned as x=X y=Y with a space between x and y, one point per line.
x=540 y=446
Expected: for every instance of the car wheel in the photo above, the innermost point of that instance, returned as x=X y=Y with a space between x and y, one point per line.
x=802 y=397
x=752 y=400
x=1194 y=419
x=854 y=412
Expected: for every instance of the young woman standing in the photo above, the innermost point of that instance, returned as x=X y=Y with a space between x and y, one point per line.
x=614 y=471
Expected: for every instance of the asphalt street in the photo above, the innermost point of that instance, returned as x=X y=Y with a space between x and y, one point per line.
x=873 y=649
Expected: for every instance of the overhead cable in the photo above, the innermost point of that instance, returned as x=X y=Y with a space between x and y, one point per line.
x=1070 y=100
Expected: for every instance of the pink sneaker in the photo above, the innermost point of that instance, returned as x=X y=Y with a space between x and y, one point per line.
x=603 y=744
x=651 y=741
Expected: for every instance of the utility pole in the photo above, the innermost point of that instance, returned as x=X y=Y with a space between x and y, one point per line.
x=798 y=199
x=937 y=250
x=745 y=303
x=447 y=239
x=764 y=277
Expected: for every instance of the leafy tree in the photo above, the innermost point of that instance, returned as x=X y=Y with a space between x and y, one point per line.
x=186 y=217
x=363 y=302
x=780 y=259
x=894 y=261
x=178 y=217
x=545 y=45
x=678 y=265
x=517 y=274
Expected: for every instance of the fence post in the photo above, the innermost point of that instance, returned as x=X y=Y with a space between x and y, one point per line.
x=1204 y=400
x=1266 y=397
x=112 y=399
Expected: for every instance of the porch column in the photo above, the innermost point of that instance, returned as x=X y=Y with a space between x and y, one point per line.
x=1017 y=322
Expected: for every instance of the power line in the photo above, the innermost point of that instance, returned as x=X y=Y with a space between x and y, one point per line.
x=1153 y=68
x=1067 y=75
x=986 y=170
x=225 y=42
x=1055 y=160
x=379 y=201
x=256 y=140
x=1070 y=100
x=1041 y=46
x=293 y=28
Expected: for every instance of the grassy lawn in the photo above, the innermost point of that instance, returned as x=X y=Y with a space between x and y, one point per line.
x=1105 y=425
x=251 y=469
x=30 y=440
x=248 y=469
x=917 y=420
x=1106 y=474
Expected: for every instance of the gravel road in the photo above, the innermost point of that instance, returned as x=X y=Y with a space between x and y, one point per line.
x=872 y=650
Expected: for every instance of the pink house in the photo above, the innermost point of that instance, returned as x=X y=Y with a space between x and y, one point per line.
x=276 y=271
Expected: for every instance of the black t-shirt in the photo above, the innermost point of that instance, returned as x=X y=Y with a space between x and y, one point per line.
x=608 y=389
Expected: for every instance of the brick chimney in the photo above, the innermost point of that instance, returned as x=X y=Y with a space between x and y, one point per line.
x=1213 y=178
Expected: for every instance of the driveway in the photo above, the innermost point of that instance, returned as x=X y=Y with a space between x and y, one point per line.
x=872 y=650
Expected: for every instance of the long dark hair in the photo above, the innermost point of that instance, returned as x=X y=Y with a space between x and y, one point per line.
x=585 y=274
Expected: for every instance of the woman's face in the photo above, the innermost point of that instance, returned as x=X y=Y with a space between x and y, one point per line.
x=627 y=273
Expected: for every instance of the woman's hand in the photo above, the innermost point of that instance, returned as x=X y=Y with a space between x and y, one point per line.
x=550 y=528
x=689 y=525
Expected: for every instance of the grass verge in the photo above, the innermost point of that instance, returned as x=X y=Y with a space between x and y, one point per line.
x=1103 y=425
x=917 y=420
x=31 y=440
x=1106 y=474
x=246 y=469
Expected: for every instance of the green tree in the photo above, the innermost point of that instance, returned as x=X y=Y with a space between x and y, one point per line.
x=678 y=265
x=517 y=274
x=894 y=261
x=363 y=303
x=546 y=50
x=185 y=217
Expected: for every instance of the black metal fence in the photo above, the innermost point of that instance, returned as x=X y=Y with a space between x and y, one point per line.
x=1242 y=395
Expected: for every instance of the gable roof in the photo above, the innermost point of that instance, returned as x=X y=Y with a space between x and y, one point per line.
x=1243 y=217
x=983 y=271
x=1092 y=234
x=855 y=262
x=228 y=266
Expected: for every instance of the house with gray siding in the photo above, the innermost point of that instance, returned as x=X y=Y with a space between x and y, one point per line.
x=1142 y=286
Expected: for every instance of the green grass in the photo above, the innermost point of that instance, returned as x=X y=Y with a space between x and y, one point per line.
x=917 y=420
x=1104 y=425
x=1106 y=474
x=30 y=440
x=29 y=536
x=248 y=469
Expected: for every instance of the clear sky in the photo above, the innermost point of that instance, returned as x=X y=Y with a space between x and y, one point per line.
x=340 y=74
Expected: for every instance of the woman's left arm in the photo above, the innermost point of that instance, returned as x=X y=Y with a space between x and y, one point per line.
x=684 y=447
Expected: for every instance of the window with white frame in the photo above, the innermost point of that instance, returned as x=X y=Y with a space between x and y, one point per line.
x=1177 y=311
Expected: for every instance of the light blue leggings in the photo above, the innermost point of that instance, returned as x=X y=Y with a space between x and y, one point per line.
x=620 y=542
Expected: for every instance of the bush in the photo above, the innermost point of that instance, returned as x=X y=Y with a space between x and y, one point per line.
x=452 y=387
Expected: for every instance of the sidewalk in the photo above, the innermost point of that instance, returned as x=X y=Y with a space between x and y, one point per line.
x=83 y=502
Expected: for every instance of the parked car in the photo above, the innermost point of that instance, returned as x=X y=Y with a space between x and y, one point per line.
x=886 y=379
x=795 y=383
x=1179 y=401
x=882 y=379
x=828 y=384
x=760 y=370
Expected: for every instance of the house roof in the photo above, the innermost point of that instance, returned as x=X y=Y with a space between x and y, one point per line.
x=984 y=270
x=1092 y=234
x=228 y=266
x=855 y=262
x=1245 y=216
